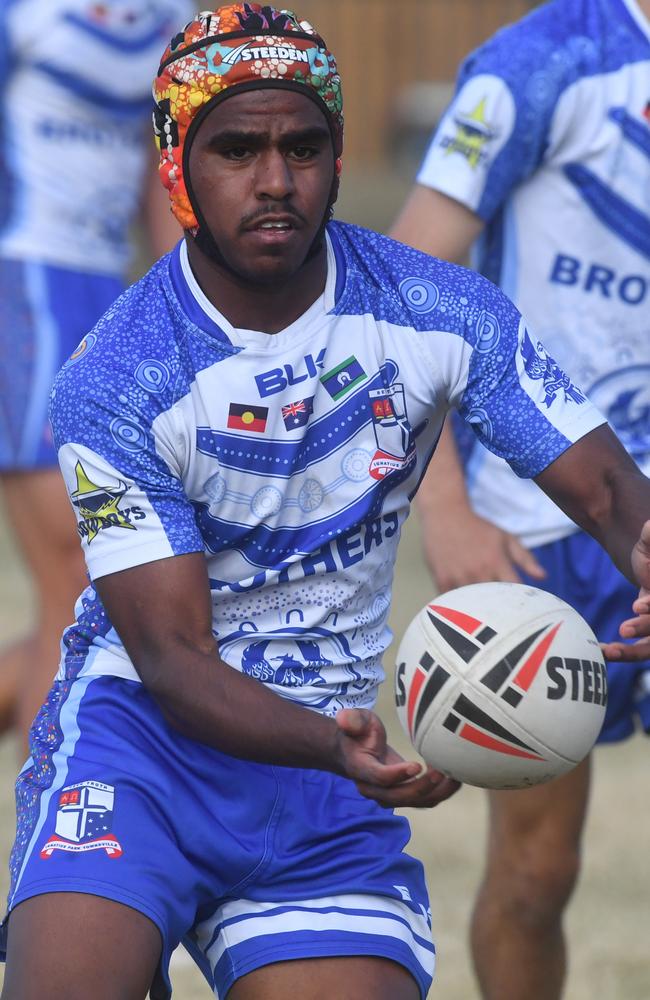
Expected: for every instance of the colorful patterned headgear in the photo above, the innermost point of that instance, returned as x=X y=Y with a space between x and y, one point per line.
x=242 y=46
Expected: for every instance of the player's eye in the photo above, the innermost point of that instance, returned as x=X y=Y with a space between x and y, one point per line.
x=235 y=152
x=304 y=152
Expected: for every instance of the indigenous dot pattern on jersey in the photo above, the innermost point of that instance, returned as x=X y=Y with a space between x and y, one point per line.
x=241 y=43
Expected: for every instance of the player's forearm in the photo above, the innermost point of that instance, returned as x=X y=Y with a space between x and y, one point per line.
x=619 y=524
x=599 y=486
x=208 y=701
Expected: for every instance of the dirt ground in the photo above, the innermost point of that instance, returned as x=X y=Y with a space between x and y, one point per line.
x=608 y=918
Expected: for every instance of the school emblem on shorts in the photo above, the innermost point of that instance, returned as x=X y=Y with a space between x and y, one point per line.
x=83 y=821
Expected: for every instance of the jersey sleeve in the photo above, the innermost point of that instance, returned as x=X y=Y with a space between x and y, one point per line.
x=521 y=405
x=474 y=353
x=494 y=133
x=122 y=463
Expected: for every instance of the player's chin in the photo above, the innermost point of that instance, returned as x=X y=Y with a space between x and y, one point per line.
x=270 y=269
x=276 y=263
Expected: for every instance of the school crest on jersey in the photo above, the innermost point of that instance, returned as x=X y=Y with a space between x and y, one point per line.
x=395 y=445
x=84 y=819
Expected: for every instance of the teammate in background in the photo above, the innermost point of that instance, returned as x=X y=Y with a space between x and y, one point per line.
x=76 y=170
x=543 y=158
x=240 y=438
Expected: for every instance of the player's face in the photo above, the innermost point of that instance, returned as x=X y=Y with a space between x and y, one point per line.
x=261 y=167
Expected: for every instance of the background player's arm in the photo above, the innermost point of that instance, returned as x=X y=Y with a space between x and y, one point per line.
x=459 y=546
x=437 y=225
x=162 y=612
x=600 y=487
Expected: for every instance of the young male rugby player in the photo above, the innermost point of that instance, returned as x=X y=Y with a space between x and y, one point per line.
x=240 y=440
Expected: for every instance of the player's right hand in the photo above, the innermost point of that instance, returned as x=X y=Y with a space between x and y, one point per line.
x=379 y=772
x=465 y=548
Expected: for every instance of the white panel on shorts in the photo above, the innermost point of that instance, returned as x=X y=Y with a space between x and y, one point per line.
x=364 y=914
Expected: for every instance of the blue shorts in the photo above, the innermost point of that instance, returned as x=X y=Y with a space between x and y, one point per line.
x=45 y=313
x=581 y=573
x=246 y=864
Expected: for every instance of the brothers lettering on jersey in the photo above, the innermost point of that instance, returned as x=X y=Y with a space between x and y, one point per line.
x=340 y=553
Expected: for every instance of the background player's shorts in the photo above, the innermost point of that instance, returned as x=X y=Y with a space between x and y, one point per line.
x=582 y=574
x=45 y=313
x=247 y=864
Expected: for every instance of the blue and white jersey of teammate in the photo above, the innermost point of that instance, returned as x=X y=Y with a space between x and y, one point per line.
x=555 y=111
x=76 y=108
x=290 y=459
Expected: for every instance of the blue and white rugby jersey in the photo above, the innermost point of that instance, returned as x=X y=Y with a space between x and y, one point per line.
x=290 y=458
x=76 y=113
x=548 y=140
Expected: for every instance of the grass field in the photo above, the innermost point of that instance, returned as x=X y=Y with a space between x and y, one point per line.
x=608 y=919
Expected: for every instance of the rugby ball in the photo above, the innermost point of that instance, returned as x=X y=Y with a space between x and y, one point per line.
x=500 y=685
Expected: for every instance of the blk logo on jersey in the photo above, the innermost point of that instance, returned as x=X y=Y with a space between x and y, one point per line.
x=278 y=379
x=84 y=819
x=340 y=380
x=242 y=417
x=99 y=506
x=297 y=414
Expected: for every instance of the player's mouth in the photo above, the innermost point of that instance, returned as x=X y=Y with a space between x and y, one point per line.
x=273 y=225
x=274 y=229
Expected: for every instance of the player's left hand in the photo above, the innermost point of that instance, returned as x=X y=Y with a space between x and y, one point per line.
x=637 y=628
x=379 y=772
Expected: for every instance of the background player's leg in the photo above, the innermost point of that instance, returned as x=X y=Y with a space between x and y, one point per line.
x=532 y=865
x=346 y=978
x=73 y=946
x=44 y=528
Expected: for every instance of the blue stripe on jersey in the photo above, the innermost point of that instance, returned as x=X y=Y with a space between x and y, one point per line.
x=284 y=459
x=622 y=218
x=105 y=99
x=151 y=37
x=633 y=130
x=341 y=266
x=271 y=548
x=54 y=726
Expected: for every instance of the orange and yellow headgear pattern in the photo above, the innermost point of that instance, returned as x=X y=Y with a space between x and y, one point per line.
x=239 y=46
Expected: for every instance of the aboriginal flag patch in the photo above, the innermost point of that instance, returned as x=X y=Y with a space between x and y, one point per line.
x=242 y=417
